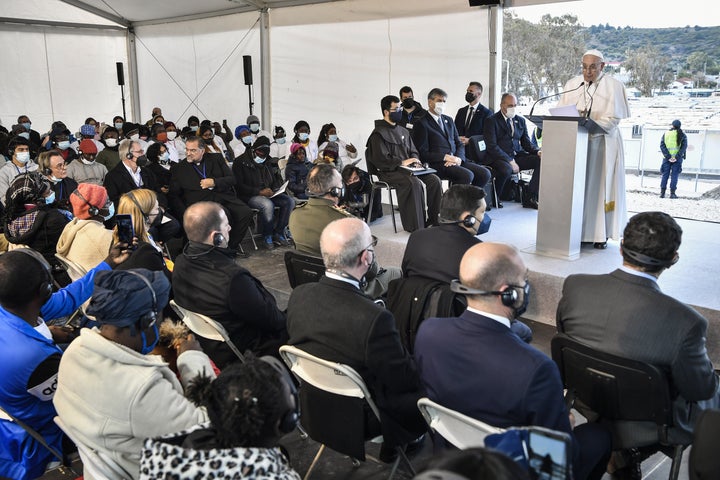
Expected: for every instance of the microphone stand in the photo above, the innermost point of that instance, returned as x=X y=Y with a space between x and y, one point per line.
x=553 y=95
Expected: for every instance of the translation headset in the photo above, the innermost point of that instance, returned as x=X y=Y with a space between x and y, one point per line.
x=47 y=171
x=46 y=288
x=132 y=198
x=93 y=210
x=148 y=319
x=288 y=419
x=217 y=239
x=468 y=222
x=13 y=145
x=336 y=192
x=649 y=261
x=509 y=297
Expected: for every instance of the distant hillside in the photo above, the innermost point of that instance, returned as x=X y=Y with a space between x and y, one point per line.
x=677 y=43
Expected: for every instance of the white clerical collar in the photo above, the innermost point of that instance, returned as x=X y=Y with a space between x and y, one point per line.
x=497 y=318
x=335 y=276
x=638 y=273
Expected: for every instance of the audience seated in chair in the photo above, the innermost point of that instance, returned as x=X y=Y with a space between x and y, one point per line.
x=333 y=320
x=111 y=394
x=207 y=280
x=250 y=406
x=625 y=313
x=462 y=359
x=28 y=348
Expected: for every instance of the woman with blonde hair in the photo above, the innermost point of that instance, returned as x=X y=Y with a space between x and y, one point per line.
x=142 y=206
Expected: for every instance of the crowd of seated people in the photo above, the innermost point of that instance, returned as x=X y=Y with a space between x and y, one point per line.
x=61 y=192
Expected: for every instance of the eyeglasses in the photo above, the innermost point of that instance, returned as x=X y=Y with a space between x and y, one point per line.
x=591 y=68
x=370 y=248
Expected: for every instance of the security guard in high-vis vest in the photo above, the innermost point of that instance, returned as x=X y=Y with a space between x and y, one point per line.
x=673 y=146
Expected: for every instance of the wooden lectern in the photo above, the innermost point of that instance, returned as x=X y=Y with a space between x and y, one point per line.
x=562 y=183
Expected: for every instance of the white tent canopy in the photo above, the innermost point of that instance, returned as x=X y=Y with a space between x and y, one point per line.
x=321 y=61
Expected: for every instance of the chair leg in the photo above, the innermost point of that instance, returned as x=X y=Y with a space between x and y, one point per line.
x=312 y=465
x=392 y=209
x=676 y=461
x=252 y=237
x=401 y=457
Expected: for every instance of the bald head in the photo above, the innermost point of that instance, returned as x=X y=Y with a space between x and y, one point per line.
x=343 y=243
x=201 y=219
x=490 y=266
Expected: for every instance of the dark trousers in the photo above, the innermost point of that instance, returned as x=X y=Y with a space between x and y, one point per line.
x=671 y=170
x=503 y=171
x=464 y=174
x=411 y=200
x=240 y=216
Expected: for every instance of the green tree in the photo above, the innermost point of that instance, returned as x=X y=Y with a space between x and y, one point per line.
x=698 y=61
x=647 y=69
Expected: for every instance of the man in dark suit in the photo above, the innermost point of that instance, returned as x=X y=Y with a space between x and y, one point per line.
x=206 y=177
x=475 y=364
x=510 y=150
x=470 y=119
x=412 y=111
x=129 y=174
x=625 y=313
x=333 y=320
x=440 y=147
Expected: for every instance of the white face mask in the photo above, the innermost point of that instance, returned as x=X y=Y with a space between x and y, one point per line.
x=111 y=142
x=64 y=145
x=439 y=107
x=254 y=127
x=22 y=157
x=172 y=135
x=510 y=112
x=87 y=162
x=135 y=137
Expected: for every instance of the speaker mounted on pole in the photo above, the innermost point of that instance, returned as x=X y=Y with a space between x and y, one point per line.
x=484 y=3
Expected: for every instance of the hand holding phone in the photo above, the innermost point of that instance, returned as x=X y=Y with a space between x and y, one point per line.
x=125 y=229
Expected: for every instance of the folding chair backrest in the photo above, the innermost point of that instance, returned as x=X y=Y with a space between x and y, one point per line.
x=74 y=270
x=458 y=429
x=95 y=464
x=616 y=388
x=476 y=149
x=303 y=268
x=332 y=377
x=205 y=327
x=704 y=461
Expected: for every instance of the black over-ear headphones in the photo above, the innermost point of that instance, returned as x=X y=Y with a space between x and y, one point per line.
x=218 y=239
x=469 y=221
x=149 y=318
x=649 y=261
x=93 y=210
x=47 y=171
x=46 y=288
x=131 y=196
x=288 y=419
x=509 y=297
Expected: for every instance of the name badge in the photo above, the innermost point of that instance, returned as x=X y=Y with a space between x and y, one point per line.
x=409 y=126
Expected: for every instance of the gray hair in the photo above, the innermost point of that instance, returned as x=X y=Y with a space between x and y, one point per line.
x=342 y=242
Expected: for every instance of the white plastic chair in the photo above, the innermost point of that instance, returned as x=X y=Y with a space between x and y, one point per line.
x=206 y=327
x=335 y=378
x=458 y=429
x=75 y=271
x=96 y=465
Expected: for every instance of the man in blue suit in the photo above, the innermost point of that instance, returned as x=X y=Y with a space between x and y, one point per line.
x=470 y=119
x=476 y=365
x=510 y=150
x=438 y=142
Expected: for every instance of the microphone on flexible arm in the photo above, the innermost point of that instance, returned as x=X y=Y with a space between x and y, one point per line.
x=592 y=99
x=554 y=95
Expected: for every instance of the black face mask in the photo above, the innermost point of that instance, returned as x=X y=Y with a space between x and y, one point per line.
x=408 y=102
x=469 y=97
x=395 y=117
x=158 y=218
x=142 y=161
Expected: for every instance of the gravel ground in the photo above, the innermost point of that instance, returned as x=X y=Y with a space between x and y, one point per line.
x=690 y=205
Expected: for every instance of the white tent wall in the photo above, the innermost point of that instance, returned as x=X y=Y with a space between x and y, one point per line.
x=63 y=74
x=200 y=61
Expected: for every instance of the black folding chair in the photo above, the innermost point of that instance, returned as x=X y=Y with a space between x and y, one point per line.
x=303 y=268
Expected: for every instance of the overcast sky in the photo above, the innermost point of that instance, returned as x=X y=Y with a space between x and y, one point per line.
x=635 y=13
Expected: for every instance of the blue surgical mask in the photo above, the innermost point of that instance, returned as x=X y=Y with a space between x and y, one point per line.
x=303 y=136
x=258 y=160
x=118 y=125
x=22 y=157
x=64 y=145
x=25 y=135
x=247 y=140
x=280 y=140
x=149 y=348
x=484 y=226
x=254 y=127
x=164 y=157
x=50 y=198
x=27 y=125
x=111 y=212
x=332 y=138
x=194 y=128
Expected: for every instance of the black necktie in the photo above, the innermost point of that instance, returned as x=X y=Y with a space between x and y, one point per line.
x=469 y=119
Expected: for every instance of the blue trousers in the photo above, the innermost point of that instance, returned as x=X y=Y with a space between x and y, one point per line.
x=672 y=170
x=266 y=212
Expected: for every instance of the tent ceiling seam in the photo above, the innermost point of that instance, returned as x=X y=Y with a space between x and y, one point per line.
x=98 y=12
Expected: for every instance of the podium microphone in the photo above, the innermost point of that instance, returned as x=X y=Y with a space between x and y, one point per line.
x=592 y=99
x=553 y=95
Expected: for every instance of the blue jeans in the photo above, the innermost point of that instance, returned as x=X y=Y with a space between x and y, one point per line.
x=266 y=208
x=671 y=170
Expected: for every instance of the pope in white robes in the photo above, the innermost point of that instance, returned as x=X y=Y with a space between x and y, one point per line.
x=605 y=211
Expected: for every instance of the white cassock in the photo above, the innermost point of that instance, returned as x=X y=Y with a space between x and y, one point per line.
x=605 y=212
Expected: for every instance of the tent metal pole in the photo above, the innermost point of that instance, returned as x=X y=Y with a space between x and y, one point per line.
x=133 y=75
x=265 y=70
x=495 y=27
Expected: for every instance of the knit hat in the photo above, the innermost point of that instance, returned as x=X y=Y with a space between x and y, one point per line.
x=87 y=130
x=240 y=129
x=87 y=146
x=262 y=143
x=294 y=148
x=331 y=149
x=120 y=298
x=94 y=195
x=252 y=119
x=59 y=130
x=676 y=123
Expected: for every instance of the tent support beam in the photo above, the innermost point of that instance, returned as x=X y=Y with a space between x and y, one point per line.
x=52 y=23
x=99 y=12
x=495 y=34
x=133 y=74
x=265 y=71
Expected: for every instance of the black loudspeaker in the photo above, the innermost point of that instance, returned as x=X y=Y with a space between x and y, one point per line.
x=120 y=73
x=484 y=3
x=247 y=69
